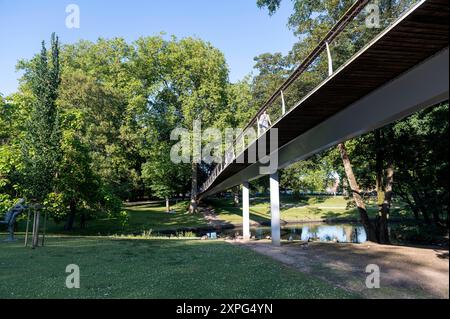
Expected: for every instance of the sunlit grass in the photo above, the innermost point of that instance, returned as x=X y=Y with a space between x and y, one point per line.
x=141 y=218
x=312 y=208
x=126 y=268
x=152 y=216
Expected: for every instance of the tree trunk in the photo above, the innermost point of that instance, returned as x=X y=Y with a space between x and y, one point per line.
x=236 y=196
x=379 y=170
x=434 y=207
x=379 y=158
x=36 y=222
x=193 y=203
x=370 y=231
x=405 y=197
x=167 y=205
x=418 y=200
x=71 y=218
x=386 y=207
x=345 y=187
x=384 y=193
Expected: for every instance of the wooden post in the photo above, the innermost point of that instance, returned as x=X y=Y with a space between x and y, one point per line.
x=45 y=229
x=35 y=240
x=26 y=231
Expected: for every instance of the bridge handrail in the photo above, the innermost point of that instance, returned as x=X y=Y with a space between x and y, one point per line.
x=337 y=28
x=353 y=11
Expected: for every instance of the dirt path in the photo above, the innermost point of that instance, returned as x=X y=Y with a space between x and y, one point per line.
x=406 y=272
x=210 y=216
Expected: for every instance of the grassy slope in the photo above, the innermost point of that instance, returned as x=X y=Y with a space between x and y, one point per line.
x=309 y=209
x=119 y=268
x=145 y=217
x=153 y=217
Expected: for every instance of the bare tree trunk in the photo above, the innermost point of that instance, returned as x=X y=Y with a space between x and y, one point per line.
x=433 y=207
x=384 y=192
x=370 y=231
x=167 y=205
x=193 y=204
x=71 y=217
x=386 y=206
x=36 y=223
x=345 y=187
x=379 y=171
x=236 y=196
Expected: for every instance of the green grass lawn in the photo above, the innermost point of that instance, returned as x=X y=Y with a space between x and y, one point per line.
x=311 y=208
x=142 y=218
x=132 y=268
x=153 y=217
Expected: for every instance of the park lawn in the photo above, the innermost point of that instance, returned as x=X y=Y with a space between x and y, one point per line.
x=152 y=268
x=312 y=208
x=148 y=217
x=152 y=217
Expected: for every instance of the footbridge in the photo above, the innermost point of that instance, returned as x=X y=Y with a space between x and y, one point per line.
x=404 y=68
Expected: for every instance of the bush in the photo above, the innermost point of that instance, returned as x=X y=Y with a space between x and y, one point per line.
x=54 y=204
x=6 y=202
x=111 y=203
x=124 y=218
x=420 y=234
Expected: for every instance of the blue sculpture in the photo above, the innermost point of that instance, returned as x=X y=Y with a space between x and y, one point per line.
x=11 y=216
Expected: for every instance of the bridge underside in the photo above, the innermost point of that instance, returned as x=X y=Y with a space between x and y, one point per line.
x=405 y=69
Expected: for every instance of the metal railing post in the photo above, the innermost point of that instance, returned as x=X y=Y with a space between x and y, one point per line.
x=283 y=104
x=330 y=60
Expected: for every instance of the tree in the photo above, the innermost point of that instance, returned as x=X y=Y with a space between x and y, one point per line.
x=163 y=177
x=312 y=175
x=98 y=78
x=40 y=147
x=421 y=144
x=185 y=81
x=356 y=192
x=9 y=154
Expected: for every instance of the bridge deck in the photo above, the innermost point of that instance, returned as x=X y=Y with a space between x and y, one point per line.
x=418 y=36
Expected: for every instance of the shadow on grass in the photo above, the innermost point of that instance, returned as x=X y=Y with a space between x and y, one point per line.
x=135 y=268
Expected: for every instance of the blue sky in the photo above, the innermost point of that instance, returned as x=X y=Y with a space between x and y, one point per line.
x=237 y=27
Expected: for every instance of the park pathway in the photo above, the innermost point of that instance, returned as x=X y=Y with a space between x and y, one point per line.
x=406 y=272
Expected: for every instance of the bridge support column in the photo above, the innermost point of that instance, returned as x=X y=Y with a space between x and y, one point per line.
x=246 y=210
x=275 y=208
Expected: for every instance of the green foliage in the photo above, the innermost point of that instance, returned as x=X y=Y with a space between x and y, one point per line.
x=163 y=177
x=272 y=5
x=421 y=144
x=110 y=203
x=124 y=218
x=182 y=80
x=40 y=148
x=307 y=176
x=420 y=234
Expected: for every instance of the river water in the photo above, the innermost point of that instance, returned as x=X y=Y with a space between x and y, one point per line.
x=343 y=233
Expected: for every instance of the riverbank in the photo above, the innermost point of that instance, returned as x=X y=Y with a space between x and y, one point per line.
x=220 y=215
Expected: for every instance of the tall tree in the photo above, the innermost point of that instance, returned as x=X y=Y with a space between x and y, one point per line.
x=356 y=193
x=40 y=147
x=186 y=81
